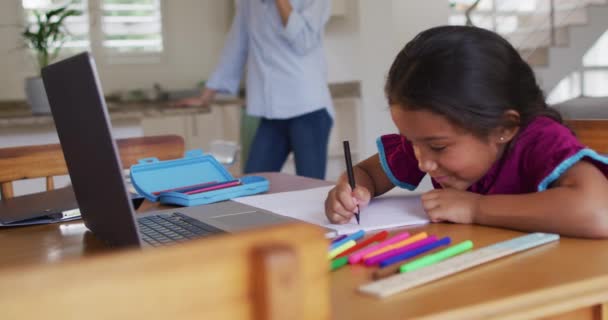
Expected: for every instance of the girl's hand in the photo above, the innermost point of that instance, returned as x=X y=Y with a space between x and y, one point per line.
x=450 y=205
x=341 y=203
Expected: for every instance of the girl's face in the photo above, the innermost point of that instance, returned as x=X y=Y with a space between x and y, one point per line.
x=452 y=156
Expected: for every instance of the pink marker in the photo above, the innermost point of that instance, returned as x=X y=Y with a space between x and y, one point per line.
x=215 y=187
x=376 y=259
x=357 y=256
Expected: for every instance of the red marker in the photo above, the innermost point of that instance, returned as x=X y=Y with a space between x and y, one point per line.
x=377 y=237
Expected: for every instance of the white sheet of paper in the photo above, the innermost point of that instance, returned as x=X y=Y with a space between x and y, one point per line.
x=385 y=212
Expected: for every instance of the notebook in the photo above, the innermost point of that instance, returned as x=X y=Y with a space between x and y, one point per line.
x=83 y=126
x=52 y=206
x=392 y=210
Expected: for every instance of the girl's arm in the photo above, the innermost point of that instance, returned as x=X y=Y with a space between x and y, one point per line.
x=575 y=205
x=369 y=174
x=370 y=181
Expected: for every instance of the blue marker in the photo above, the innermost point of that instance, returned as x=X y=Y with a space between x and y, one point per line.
x=355 y=236
x=338 y=238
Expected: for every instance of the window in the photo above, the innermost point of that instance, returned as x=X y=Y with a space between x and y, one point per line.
x=505 y=18
x=132 y=25
x=594 y=71
x=115 y=28
x=597 y=56
x=566 y=89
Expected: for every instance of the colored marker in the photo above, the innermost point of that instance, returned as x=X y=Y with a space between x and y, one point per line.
x=410 y=254
x=389 y=270
x=376 y=259
x=438 y=256
x=358 y=256
x=345 y=246
x=350 y=174
x=218 y=186
x=377 y=237
x=338 y=263
x=353 y=252
x=355 y=236
x=338 y=238
x=186 y=188
x=414 y=238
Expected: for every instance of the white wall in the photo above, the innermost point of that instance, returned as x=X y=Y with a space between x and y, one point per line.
x=11 y=60
x=194 y=37
x=341 y=44
x=384 y=28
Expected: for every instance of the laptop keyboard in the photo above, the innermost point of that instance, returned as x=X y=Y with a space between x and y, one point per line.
x=164 y=229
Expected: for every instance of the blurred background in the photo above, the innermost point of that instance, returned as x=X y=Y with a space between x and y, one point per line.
x=152 y=52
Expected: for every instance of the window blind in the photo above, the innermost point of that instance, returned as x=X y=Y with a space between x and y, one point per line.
x=132 y=26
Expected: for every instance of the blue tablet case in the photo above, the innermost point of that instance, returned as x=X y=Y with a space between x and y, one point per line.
x=151 y=175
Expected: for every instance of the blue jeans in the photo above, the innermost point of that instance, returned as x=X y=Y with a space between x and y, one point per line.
x=306 y=135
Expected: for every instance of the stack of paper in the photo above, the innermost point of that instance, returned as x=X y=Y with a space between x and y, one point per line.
x=389 y=211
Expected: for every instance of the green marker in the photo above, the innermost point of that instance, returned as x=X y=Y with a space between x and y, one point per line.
x=436 y=257
x=337 y=263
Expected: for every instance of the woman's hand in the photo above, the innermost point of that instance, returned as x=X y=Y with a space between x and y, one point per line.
x=450 y=205
x=341 y=203
x=204 y=100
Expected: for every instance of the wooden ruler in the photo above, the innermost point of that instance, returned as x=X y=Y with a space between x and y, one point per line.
x=403 y=281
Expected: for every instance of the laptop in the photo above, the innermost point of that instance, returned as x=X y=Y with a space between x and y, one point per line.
x=39 y=208
x=81 y=119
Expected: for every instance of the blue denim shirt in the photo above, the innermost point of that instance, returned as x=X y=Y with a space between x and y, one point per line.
x=286 y=67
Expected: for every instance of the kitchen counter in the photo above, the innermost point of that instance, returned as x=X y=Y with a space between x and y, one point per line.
x=18 y=114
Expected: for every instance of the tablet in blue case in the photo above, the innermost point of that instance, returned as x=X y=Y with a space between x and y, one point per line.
x=158 y=180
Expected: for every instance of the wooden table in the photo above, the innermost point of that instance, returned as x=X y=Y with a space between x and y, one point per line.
x=565 y=280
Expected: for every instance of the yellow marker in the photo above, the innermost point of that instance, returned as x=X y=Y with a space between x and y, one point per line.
x=412 y=239
x=335 y=252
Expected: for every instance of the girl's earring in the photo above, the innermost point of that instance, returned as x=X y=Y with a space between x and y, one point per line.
x=502 y=138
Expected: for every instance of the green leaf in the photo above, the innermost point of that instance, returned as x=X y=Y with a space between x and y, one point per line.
x=50 y=14
x=48 y=34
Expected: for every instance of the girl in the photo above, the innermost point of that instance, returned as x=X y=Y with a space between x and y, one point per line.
x=470 y=114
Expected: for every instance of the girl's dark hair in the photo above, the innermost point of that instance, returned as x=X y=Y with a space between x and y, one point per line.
x=469 y=75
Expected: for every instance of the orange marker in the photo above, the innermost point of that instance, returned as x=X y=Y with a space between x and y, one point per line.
x=414 y=238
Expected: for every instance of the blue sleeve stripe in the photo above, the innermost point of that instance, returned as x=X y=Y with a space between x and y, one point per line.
x=388 y=171
x=567 y=164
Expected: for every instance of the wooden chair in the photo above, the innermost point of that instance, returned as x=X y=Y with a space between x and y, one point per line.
x=38 y=161
x=280 y=272
x=591 y=132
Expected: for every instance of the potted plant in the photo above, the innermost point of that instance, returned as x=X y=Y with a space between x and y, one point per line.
x=45 y=37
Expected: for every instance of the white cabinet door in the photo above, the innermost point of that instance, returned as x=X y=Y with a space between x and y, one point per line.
x=204 y=128
x=165 y=125
x=338 y=8
x=231 y=117
x=199 y=130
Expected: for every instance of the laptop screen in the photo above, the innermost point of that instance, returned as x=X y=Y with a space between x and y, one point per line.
x=90 y=152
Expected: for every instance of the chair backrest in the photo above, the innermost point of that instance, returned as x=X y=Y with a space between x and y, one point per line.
x=28 y=162
x=591 y=132
x=279 y=272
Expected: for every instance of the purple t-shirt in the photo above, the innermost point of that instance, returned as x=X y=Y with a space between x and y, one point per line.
x=537 y=157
